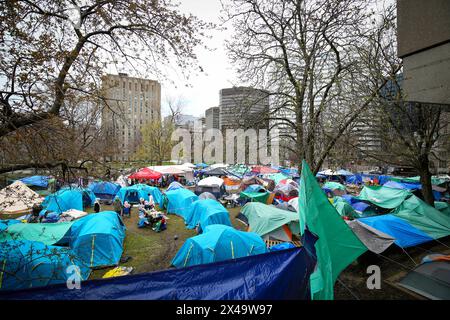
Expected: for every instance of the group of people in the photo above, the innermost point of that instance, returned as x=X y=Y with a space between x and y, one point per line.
x=149 y=217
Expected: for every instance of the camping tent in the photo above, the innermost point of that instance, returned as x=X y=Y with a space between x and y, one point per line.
x=206 y=195
x=174 y=185
x=216 y=172
x=63 y=200
x=179 y=201
x=104 y=190
x=97 y=239
x=153 y=191
x=264 y=170
x=132 y=194
x=206 y=212
x=17 y=198
x=270 y=222
x=30 y=264
x=218 y=243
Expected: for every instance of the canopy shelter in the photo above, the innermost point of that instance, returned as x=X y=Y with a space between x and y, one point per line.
x=97 y=239
x=47 y=233
x=36 y=181
x=180 y=201
x=104 y=190
x=218 y=243
x=17 y=198
x=31 y=264
x=264 y=170
x=270 y=222
x=280 y=275
x=146 y=174
x=206 y=212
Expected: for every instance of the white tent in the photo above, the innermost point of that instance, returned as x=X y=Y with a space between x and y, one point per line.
x=18 y=198
x=218 y=165
x=210 y=181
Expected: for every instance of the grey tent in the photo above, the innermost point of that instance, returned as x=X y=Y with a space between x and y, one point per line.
x=375 y=240
x=206 y=195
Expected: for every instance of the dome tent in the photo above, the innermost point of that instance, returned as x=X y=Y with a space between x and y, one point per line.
x=218 y=243
x=207 y=212
x=179 y=201
x=104 y=190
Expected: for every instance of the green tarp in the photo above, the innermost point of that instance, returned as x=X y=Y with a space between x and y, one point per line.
x=334 y=186
x=434 y=180
x=255 y=196
x=263 y=218
x=443 y=207
x=47 y=233
x=345 y=210
x=337 y=246
x=384 y=197
x=424 y=217
x=277 y=177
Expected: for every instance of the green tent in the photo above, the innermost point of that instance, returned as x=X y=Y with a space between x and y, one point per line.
x=263 y=218
x=424 y=217
x=337 y=245
x=47 y=233
x=384 y=197
x=334 y=186
x=277 y=177
x=255 y=196
x=443 y=207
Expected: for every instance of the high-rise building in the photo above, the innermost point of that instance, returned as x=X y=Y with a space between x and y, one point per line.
x=130 y=104
x=212 y=118
x=243 y=107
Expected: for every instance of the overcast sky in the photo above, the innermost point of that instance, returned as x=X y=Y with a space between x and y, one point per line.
x=203 y=92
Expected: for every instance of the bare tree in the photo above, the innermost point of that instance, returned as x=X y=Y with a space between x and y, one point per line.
x=304 y=53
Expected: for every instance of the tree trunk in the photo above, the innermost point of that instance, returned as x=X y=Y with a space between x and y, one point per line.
x=425 y=180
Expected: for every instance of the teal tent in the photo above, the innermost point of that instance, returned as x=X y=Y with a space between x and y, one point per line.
x=104 y=190
x=180 y=201
x=218 y=243
x=97 y=239
x=206 y=212
x=337 y=245
x=63 y=200
x=153 y=191
x=29 y=264
x=384 y=197
x=443 y=207
x=132 y=194
x=47 y=233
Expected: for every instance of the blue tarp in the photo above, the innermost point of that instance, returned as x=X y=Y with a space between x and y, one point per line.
x=402 y=185
x=404 y=233
x=207 y=212
x=180 y=201
x=104 y=190
x=97 y=239
x=154 y=191
x=360 y=206
x=63 y=200
x=355 y=179
x=280 y=275
x=132 y=194
x=218 y=243
x=281 y=246
x=26 y=264
x=37 y=181
x=255 y=188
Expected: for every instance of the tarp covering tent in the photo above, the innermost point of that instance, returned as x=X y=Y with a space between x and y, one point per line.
x=424 y=217
x=280 y=275
x=255 y=196
x=443 y=207
x=206 y=195
x=375 y=240
x=97 y=239
x=255 y=188
x=269 y=221
x=384 y=197
x=404 y=233
x=207 y=212
x=63 y=200
x=337 y=245
x=334 y=186
x=132 y=194
x=179 y=201
x=430 y=279
x=232 y=184
x=47 y=233
x=30 y=264
x=17 y=198
x=104 y=190
x=36 y=181
x=218 y=243
x=210 y=181
x=216 y=172
x=343 y=172
x=277 y=177
x=145 y=174
x=201 y=165
x=401 y=185
x=344 y=209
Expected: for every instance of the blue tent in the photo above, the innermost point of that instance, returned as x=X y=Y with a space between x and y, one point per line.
x=255 y=188
x=280 y=275
x=37 y=181
x=355 y=179
x=180 y=201
x=174 y=186
x=217 y=243
x=207 y=212
x=97 y=239
x=104 y=190
x=154 y=191
x=405 y=234
x=132 y=194
x=343 y=172
x=30 y=264
x=87 y=196
x=63 y=200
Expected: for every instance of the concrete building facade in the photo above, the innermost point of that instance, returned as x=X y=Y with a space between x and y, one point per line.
x=131 y=103
x=212 y=118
